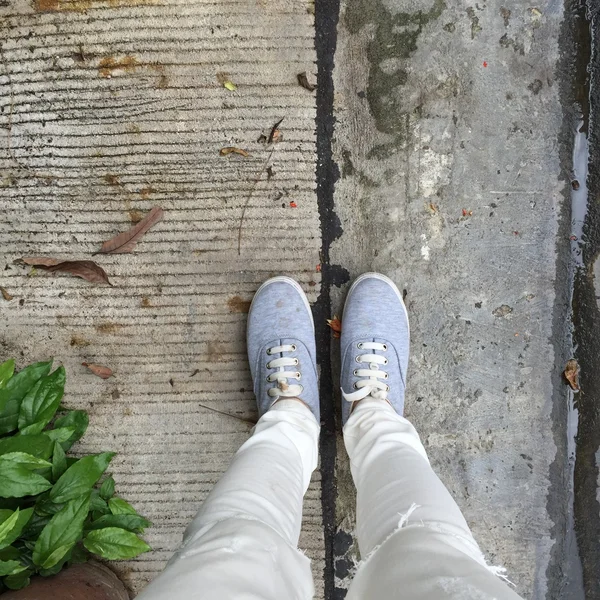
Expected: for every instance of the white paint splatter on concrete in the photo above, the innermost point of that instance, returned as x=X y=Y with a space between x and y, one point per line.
x=424 y=247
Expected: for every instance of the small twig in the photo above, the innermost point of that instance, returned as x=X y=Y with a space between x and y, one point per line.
x=256 y=180
x=253 y=423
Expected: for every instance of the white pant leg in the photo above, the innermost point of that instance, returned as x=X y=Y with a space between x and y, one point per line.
x=414 y=541
x=242 y=544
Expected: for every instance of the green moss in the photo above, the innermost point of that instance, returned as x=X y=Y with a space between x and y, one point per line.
x=395 y=37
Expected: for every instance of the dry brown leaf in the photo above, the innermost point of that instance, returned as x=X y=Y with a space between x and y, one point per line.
x=303 y=81
x=571 y=374
x=275 y=134
x=5 y=294
x=41 y=261
x=99 y=370
x=336 y=326
x=86 y=269
x=233 y=150
x=126 y=241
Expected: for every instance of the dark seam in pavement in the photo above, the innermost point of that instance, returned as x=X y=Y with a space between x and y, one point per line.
x=326 y=19
x=563 y=572
x=586 y=321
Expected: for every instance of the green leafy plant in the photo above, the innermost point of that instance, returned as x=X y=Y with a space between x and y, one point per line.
x=53 y=509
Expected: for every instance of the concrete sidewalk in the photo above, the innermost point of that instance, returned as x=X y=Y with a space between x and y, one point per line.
x=441 y=127
x=108 y=109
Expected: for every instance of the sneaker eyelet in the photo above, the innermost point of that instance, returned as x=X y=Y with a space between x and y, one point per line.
x=354 y=386
x=387 y=388
x=294 y=347
x=268 y=365
x=355 y=372
x=269 y=379
x=386 y=376
x=298 y=375
x=359 y=345
x=386 y=361
x=296 y=362
x=358 y=359
x=385 y=347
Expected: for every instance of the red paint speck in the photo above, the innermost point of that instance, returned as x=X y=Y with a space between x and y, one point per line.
x=484 y=63
x=293 y=204
x=318 y=268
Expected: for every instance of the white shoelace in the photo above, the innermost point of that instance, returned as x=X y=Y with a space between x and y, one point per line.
x=370 y=384
x=283 y=388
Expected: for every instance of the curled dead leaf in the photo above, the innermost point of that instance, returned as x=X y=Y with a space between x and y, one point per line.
x=336 y=326
x=571 y=374
x=233 y=150
x=275 y=134
x=5 y=294
x=126 y=241
x=303 y=81
x=98 y=370
x=86 y=269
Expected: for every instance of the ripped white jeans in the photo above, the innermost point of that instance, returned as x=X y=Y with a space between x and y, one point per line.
x=415 y=543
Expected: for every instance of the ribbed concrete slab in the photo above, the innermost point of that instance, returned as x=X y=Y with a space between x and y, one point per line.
x=108 y=109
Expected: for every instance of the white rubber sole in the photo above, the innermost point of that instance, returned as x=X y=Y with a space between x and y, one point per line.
x=387 y=280
x=289 y=281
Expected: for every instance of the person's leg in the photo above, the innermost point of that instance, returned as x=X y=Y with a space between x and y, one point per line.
x=413 y=539
x=242 y=544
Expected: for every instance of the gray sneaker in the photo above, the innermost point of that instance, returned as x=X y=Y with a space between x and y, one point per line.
x=374 y=344
x=281 y=345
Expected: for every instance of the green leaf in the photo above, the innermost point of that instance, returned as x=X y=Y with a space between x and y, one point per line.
x=81 y=477
x=56 y=556
x=9 y=553
x=16 y=582
x=27 y=460
x=78 y=420
x=133 y=523
x=98 y=504
x=118 y=506
x=23 y=519
x=15 y=389
x=16 y=478
x=35 y=526
x=79 y=555
x=36 y=445
x=45 y=507
x=114 y=543
x=59 y=462
x=61 y=533
x=107 y=489
x=6 y=371
x=41 y=402
x=60 y=435
x=8 y=519
x=10 y=567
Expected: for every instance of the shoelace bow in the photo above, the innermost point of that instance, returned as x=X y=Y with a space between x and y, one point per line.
x=369 y=383
x=280 y=377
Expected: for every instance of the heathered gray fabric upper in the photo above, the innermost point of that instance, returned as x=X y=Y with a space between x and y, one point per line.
x=279 y=315
x=374 y=312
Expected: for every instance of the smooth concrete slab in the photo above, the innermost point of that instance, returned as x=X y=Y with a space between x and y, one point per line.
x=107 y=109
x=447 y=140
